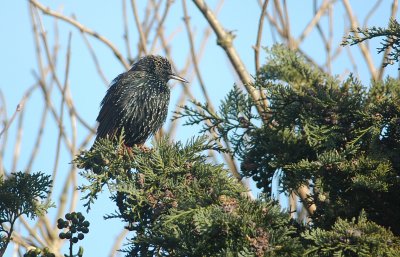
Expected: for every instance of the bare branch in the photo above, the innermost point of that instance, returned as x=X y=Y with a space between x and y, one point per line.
x=20 y=106
x=371 y=12
x=225 y=40
x=96 y=62
x=81 y=27
x=314 y=21
x=364 y=50
x=118 y=243
x=160 y=24
x=143 y=44
x=186 y=19
x=393 y=13
x=259 y=35
x=126 y=30
x=61 y=126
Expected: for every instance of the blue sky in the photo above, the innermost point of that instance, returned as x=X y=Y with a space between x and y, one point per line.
x=18 y=64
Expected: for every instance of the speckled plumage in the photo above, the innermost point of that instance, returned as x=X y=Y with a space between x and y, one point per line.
x=137 y=101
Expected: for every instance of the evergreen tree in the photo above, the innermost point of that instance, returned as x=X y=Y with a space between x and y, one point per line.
x=21 y=194
x=178 y=203
x=337 y=137
x=340 y=138
x=390 y=41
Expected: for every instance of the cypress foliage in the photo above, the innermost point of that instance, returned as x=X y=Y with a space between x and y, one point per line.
x=177 y=203
x=358 y=237
x=339 y=137
x=21 y=194
x=390 y=41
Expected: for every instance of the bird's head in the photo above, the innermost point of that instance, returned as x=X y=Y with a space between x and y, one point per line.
x=158 y=66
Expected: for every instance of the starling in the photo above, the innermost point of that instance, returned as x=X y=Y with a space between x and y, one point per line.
x=137 y=101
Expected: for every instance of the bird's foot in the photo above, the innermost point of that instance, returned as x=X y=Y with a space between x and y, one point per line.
x=144 y=148
x=128 y=150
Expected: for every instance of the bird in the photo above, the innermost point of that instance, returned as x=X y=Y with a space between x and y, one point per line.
x=137 y=101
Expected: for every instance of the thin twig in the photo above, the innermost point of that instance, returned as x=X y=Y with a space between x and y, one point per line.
x=18 y=139
x=32 y=232
x=160 y=24
x=118 y=242
x=20 y=106
x=259 y=35
x=279 y=13
x=95 y=60
x=371 y=12
x=290 y=40
x=43 y=119
x=51 y=61
x=61 y=125
x=51 y=107
x=126 y=31
x=314 y=22
x=274 y=24
x=364 y=50
x=143 y=44
x=235 y=172
x=186 y=19
x=183 y=97
x=148 y=23
x=225 y=40
x=330 y=41
x=5 y=137
x=81 y=27
x=263 y=98
x=393 y=12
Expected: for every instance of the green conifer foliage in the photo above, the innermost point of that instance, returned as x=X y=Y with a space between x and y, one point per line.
x=339 y=137
x=390 y=41
x=21 y=194
x=358 y=237
x=178 y=203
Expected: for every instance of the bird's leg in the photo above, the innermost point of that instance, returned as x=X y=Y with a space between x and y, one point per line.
x=144 y=148
x=129 y=150
x=141 y=147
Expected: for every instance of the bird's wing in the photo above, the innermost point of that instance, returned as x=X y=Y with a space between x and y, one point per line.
x=120 y=103
x=108 y=115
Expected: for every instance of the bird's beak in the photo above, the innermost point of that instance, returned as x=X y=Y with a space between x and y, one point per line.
x=176 y=77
